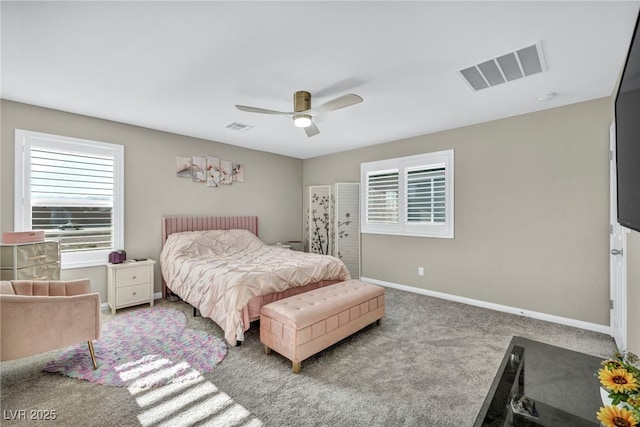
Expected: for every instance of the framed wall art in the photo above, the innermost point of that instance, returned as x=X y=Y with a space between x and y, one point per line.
x=183 y=166
x=199 y=168
x=226 y=171
x=238 y=172
x=213 y=171
x=210 y=170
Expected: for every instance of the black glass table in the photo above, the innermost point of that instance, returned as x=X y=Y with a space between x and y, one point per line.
x=558 y=385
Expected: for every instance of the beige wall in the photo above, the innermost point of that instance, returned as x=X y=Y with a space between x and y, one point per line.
x=272 y=188
x=531 y=213
x=531 y=204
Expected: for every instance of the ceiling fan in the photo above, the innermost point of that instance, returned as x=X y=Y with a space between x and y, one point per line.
x=303 y=112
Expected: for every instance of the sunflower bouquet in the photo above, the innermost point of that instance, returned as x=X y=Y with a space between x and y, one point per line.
x=620 y=377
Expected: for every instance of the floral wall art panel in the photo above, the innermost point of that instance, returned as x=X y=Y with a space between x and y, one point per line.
x=238 y=172
x=226 y=171
x=213 y=171
x=183 y=166
x=198 y=170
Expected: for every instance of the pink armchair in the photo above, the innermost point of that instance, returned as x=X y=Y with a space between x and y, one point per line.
x=39 y=316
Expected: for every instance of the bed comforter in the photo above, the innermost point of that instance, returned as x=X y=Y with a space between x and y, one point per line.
x=219 y=271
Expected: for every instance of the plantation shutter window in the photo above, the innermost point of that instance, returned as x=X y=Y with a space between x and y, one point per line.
x=71 y=189
x=410 y=196
x=426 y=195
x=382 y=197
x=72 y=198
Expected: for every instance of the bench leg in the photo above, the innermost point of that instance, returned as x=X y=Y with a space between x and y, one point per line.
x=296 y=366
x=267 y=350
x=378 y=322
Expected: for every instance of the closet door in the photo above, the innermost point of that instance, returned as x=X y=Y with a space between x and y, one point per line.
x=346 y=225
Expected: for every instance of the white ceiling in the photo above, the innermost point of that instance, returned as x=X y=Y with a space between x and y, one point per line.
x=182 y=66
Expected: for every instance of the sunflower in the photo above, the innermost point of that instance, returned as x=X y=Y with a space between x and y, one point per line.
x=618 y=380
x=612 y=416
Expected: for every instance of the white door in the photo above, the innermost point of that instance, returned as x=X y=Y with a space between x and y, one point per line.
x=617 y=262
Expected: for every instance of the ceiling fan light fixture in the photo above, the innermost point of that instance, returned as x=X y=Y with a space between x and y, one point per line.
x=302 y=111
x=302 y=120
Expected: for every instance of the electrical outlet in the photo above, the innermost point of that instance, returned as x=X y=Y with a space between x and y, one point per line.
x=420 y=271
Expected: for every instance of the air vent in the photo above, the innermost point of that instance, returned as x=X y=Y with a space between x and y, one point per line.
x=240 y=127
x=505 y=68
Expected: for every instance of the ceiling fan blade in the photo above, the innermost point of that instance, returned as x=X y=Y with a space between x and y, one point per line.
x=335 y=104
x=262 y=110
x=312 y=130
x=342 y=86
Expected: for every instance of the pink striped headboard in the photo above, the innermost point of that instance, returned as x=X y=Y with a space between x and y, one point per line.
x=176 y=224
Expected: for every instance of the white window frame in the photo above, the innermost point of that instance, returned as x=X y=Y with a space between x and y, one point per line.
x=402 y=164
x=24 y=141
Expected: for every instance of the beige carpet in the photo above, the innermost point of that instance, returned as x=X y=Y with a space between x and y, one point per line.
x=430 y=363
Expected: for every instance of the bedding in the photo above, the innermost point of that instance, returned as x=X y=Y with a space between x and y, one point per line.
x=220 y=271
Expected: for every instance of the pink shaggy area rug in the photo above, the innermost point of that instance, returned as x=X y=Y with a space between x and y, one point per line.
x=143 y=348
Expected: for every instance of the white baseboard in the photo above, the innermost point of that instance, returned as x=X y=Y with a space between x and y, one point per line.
x=497 y=307
x=105 y=305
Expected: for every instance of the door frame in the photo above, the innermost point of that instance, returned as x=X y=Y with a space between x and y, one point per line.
x=617 y=256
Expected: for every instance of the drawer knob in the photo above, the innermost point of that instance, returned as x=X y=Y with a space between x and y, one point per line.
x=134 y=293
x=134 y=277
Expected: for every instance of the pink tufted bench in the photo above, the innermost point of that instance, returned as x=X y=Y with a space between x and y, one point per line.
x=302 y=325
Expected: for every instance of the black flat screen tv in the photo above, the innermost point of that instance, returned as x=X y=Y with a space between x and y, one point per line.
x=627 y=113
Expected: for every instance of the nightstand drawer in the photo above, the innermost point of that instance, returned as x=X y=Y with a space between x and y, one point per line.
x=133 y=276
x=132 y=294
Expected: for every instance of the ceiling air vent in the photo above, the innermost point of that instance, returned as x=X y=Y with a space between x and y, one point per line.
x=240 y=127
x=511 y=66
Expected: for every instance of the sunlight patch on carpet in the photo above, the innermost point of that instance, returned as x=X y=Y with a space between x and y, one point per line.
x=143 y=348
x=191 y=403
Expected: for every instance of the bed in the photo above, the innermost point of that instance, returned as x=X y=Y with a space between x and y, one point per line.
x=221 y=267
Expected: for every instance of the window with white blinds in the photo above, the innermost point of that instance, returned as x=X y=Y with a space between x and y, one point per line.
x=71 y=189
x=425 y=201
x=72 y=198
x=382 y=197
x=409 y=195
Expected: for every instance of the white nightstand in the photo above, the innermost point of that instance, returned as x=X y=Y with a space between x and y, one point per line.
x=130 y=283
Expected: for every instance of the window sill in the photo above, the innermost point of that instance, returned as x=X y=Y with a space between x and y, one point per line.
x=74 y=260
x=411 y=234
